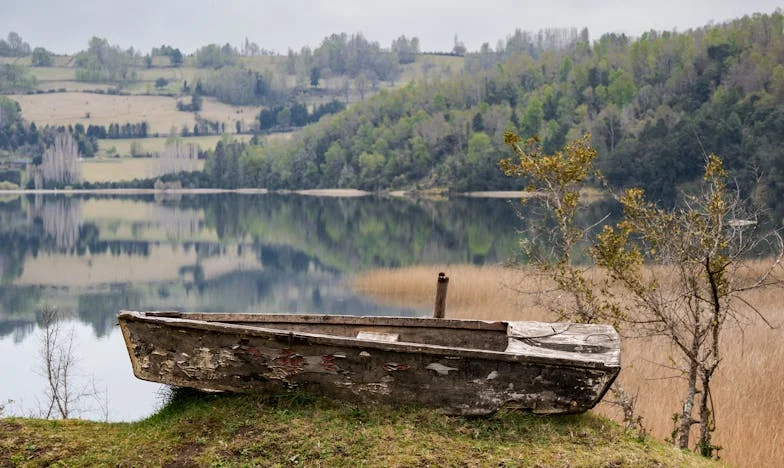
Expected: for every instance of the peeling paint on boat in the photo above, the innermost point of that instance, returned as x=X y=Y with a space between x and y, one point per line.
x=462 y=367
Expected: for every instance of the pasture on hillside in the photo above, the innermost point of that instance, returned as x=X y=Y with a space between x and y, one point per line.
x=121 y=169
x=160 y=112
x=122 y=146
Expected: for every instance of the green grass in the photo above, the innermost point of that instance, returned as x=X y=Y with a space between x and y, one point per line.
x=234 y=430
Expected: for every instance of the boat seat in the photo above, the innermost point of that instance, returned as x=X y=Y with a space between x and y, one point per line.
x=376 y=336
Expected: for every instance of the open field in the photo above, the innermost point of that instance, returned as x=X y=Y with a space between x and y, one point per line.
x=63 y=75
x=212 y=109
x=48 y=74
x=72 y=86
x=119 y=169
x=748 y=388
x=122 y=146
x=100 y=109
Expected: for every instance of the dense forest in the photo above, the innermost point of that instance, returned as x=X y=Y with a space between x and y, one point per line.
x=655 y=106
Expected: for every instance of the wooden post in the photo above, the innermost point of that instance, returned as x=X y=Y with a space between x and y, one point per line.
x=440 y=309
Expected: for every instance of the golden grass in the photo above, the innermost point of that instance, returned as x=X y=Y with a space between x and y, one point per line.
x=474 y=291
x=159 y=111
x=748 y=389
x=119 y=169
x=156 y=145
x=114 y=170
x=70 y=108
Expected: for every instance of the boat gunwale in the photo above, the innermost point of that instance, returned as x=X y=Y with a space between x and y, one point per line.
x=369 y=320
x=402 y=347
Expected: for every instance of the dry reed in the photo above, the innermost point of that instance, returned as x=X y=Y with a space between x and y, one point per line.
x=748 y=390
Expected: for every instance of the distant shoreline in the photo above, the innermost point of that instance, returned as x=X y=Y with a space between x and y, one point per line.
x=253 y=191
x=125 y=191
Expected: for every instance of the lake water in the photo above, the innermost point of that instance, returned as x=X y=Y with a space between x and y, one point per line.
x=90 y=256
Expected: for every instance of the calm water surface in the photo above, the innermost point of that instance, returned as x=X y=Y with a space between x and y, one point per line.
x=91 y=256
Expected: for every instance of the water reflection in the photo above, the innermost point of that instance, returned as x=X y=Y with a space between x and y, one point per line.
x=92 y=256
x=176 y=223
x=61 y=217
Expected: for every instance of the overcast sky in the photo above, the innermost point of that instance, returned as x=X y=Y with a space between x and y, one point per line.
x=65 y=27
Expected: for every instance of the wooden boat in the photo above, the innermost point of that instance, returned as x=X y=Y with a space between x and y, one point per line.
x=466 y=367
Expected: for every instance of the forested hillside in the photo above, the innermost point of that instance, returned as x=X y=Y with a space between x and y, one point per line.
x=655 y=106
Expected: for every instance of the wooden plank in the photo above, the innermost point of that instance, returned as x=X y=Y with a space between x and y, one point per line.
x=574 y=341
x=375 y=336
x=343 y=319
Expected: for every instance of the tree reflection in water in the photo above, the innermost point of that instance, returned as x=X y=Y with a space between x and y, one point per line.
x=93 y=255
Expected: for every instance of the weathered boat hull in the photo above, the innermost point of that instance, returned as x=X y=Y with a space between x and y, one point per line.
x=371 y=359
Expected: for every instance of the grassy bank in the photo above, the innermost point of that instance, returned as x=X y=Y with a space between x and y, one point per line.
x=201 y=430
x=749 y=386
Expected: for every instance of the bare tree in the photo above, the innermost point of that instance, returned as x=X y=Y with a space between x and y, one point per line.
x=177 y=157
x=60 y=163
x=63 y=393
x=3 y=406
x=58 y=363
